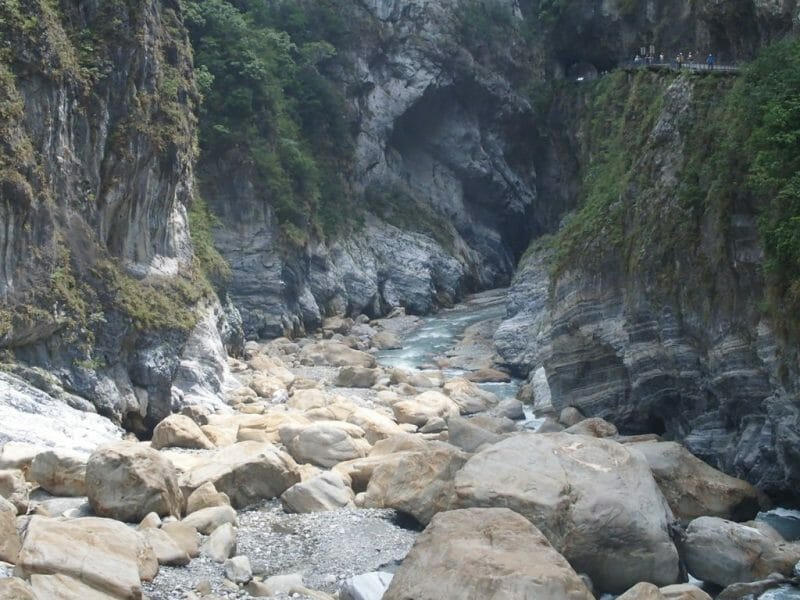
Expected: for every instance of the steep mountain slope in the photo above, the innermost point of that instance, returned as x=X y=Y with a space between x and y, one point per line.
x=652 y=306
x=97 y=275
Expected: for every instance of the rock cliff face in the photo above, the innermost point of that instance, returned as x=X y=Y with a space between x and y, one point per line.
x=435 y=132
x=96 y=176
x=661 y=329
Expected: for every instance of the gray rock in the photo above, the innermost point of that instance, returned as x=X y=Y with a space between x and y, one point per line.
x=126 y=481
x=509 y=409
x=570 y=416
x=9 y=537
x=238 y=569
x=368 y=586
x=724 y=552
x=593 y=427
x=327 y=443
x=179 y=431
x=14 y=588
x=32 y=416
x=327 y=491
x=694 y=489
x=206 y=496
x=206 y=520
x=60 y=472
x=587 y=496
x=416 y=483
x=247 y=472
x=468 y=436
x=103 y=554
x=14 y=488
x=357 y=377
x=221 y=544
x=499 y=554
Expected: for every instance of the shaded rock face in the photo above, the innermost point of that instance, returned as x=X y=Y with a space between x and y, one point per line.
x=654 y=344
x=431 y=125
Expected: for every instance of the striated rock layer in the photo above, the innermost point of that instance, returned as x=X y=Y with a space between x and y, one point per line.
x=664 y=333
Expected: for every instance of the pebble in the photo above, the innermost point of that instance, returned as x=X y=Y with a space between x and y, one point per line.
x=326 y=547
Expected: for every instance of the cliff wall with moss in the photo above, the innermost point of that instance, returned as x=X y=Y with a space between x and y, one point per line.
x=98 y=279
x=665 y=301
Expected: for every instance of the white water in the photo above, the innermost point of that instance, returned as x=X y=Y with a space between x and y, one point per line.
x=439 y=333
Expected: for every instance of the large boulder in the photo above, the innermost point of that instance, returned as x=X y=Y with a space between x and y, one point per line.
x=424 y=407
x=327 y=491
x=180 y=431
x=695 y=489
x=325 y=443
x=475 y=554
x=357 y=377
x=9 y=537
x=14 y=488
x=724 y=552
x=469 y=397
x=367 y=586
x=206 y=496
x=60 y=472
x=594 y=499
x=14 y=588
x=468 y=436
x=594 y=427
x=208 y=519
x=336 y=354
x=247 y=472
x=126 y=481
x=417 y=483
x=648 y=591
x=266 y=427
x=103 y=554
x=168 y=551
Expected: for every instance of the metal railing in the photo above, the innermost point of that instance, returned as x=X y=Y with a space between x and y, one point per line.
x=688 y=66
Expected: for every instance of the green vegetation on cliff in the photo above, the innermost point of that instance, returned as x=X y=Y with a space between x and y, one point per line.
x=665 y=212
x=267 y=105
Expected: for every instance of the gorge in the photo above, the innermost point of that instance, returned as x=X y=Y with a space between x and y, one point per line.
x=189 y=186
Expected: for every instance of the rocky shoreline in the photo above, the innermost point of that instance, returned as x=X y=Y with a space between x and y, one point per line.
x=317 y=475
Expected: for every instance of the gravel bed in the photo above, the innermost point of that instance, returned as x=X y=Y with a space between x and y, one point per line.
x=326 y=547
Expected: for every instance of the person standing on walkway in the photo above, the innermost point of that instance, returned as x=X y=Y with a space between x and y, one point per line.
x=679 y=59
x=710 y=61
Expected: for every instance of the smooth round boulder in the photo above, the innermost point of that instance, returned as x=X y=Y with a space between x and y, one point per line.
x=206 y=496
x=103 y=554
x=424 y=407
x=469 y=397
x=696 y=489
x=357 y=377
x=14 y=588
x=327 y=491
x=484 y=553
x=179 y=431
x=594 y=499
x=326 y=443
x=14 y=488
x=724 y=552
x=60 y=472
x=593 y=427
x=127 y=480
x=417 y=483
x=246 y=471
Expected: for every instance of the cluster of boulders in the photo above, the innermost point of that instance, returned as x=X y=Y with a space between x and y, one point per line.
x=572 y=512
